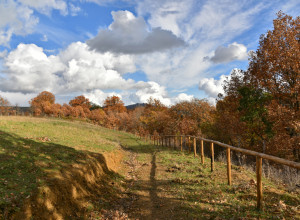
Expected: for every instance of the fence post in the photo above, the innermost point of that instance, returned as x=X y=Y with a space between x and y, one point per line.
x=189 y=144
x=212 y=156
x=181 y=143
x=228 y=166
x=202 y=152
x=175 y=142
x=195 y=147
x=259 y=182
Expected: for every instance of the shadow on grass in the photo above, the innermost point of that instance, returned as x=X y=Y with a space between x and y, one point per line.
x=200 y=200
x=44 y=179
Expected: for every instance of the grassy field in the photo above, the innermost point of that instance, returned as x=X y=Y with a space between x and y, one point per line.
x=74 y=170
x=34 y=150
x=182 y=188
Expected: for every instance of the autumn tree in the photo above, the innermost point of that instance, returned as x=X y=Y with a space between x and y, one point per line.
x=114 y=104
x=4 y=105
x=262 y=104
x=98 y=116
x=156 y=118
x=191 y=116
x=82 y=105
x=42 y=103
x=275 y=68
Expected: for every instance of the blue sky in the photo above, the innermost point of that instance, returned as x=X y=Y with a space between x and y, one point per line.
x=136 y=49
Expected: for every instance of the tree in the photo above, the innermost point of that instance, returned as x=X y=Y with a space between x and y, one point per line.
x=98 y=116
x=191 y=115
x=42 y=103
x=261 y=106
x=114 y=104
x=4 y=105
x=275 y=66
x=83 y=103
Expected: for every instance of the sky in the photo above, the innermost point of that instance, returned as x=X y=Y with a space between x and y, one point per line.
x=136 y=49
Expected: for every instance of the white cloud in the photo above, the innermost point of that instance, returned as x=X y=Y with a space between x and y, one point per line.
x=3 y=53
x=183 y=97
x=98 y=96
x=204 y=26
x=233 y=52
x=155 y=91
x=211 y=86
x=15 y=19
x=168 y=15
x=130 y=35
x=28 y=69
x=18 y=98
x=74 y=9
x=46 y=6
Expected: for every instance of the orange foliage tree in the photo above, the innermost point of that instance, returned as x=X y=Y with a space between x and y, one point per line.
x=42 y=103
x=82 y=106
x=191 y=116
x=4 y=105
x=114 y=104
x=261 y=105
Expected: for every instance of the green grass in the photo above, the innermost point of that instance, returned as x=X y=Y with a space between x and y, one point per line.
x=32 y=149
x=197 y=193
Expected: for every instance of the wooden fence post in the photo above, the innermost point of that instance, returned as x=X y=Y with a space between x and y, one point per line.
x=195 y=147
x=175 y=142
x=228 y=166
x=181 y=143
x=212 y=156
x=202 y=152
x=189 y=144
x=259 y=182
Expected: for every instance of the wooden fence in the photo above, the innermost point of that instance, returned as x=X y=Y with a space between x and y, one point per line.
x=192 y=142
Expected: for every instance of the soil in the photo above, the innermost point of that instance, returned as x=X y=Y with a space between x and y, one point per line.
x=149 y=196
x=72 y=192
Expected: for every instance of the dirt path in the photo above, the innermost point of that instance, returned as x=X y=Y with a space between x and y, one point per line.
x=149 y=194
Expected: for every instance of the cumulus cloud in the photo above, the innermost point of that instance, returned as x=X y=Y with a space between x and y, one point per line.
x=28 y=69
x=155 y=91
x=18 y=98
x=211 y=86
x=98 y=96
x=3 y=53
x=233 y=52
x=130 y=35
x=203 y=26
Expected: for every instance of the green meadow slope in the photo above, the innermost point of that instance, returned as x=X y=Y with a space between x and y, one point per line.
x=58 y=169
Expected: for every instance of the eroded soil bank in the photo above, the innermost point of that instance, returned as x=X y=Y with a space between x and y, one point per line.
x=75 y=191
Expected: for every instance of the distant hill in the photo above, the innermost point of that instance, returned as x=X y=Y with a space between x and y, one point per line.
x=131 y=107
x=27 y=109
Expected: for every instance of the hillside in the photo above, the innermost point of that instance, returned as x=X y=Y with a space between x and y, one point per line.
x=51 y=168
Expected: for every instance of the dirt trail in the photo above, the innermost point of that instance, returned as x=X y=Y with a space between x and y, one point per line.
x=149 y=200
